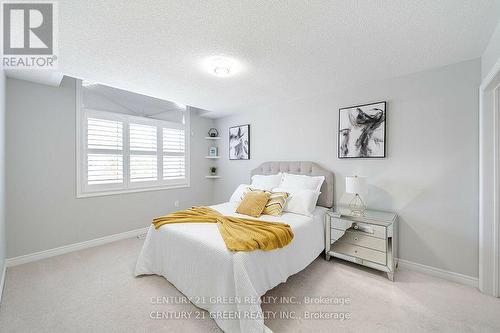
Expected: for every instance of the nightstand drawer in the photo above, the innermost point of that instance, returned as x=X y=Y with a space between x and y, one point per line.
x=361 y=239
x=336 y=234
x=340 y=224
x=369 y=229
x=360 y=252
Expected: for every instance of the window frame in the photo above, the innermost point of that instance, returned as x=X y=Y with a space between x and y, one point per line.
x=84 y=190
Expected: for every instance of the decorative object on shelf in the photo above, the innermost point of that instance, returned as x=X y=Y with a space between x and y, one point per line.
x=357 y=186
x=213 y=133
x=362 y=131
x=212 y=152
x=213 y=171
x=239 y=142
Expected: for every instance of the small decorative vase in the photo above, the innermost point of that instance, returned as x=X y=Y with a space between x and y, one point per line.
x=213 y=133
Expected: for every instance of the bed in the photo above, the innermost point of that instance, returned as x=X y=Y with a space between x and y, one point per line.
x=227 y=284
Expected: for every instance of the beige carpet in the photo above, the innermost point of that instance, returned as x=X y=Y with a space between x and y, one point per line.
x=94 y=291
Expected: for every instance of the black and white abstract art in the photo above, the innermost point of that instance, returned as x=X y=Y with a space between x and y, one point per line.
x=362 y=131
x=239 y=142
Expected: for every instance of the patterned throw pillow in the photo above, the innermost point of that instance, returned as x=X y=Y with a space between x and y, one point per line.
x=276 y=202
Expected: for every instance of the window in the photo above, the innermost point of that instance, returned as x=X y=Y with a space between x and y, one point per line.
x=174 y=166
x=124 y=153
x=143 y=153
x=104 y=151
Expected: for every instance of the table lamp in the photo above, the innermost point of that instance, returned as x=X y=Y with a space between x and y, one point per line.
x=357 y=186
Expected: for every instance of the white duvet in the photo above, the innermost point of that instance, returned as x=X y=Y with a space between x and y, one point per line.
x=194 y=258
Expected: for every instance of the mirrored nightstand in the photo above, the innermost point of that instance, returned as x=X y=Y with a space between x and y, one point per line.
x=369 y=240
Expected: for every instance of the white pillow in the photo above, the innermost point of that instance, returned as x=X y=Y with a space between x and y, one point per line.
x=300 y=201
x=238 y=193
x=304 y=182
x=266 y=182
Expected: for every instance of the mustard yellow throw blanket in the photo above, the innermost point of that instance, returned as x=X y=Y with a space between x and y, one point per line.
x=239 y=234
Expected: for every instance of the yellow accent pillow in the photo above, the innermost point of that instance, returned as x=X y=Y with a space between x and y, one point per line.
x=275 y=204
x=253 y=203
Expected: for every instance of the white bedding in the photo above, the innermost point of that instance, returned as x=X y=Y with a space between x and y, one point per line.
x=194 y=257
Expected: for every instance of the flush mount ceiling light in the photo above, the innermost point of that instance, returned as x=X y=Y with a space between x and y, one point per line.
x=222 y=71
x=222 y=66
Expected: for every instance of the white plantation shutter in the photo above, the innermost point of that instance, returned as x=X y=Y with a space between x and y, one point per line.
x=105 y=169
x=143 y=168
x=104 y=134
x=104 y=151
x=174 y=160
x=174 y=167
x=143 y=138
x=173 y=140
x=123 y=153
x=143 y=153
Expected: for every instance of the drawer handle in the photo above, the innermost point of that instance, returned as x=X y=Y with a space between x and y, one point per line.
x=355 y=251
x=355 y=238
x=365 y=229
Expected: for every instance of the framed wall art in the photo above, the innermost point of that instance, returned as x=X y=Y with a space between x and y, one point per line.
x=362 y=131
x=239 y=142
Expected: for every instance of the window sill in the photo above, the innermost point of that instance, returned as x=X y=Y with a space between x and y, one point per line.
x=127 y=191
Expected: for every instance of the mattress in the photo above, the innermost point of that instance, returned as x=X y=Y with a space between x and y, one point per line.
x=194 y=258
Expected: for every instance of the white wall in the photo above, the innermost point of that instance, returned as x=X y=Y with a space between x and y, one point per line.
x=2 y=174
x=430 y=177
x=487 y=236
x=492 y=53
x=42 y=209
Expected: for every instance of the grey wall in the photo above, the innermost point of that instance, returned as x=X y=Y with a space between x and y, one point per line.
x=491 y=53
x=2 y=172
x=430 y=177
x=42 y=209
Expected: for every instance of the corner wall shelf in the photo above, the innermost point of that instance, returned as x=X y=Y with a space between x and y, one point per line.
x=213 y=156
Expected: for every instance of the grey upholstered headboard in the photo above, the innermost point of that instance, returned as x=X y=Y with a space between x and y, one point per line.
x=302 y=168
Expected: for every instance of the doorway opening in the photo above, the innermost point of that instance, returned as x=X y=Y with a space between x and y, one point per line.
x=489 y=183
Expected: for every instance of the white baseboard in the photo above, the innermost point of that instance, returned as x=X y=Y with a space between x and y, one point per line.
x=440 y=273
x=2 y=280
x=73 y=247
x=24 y=259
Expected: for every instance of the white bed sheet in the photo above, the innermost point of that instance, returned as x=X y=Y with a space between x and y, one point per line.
x=195 y=259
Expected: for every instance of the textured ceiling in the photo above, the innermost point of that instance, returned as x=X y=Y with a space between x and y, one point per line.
x=288 y=49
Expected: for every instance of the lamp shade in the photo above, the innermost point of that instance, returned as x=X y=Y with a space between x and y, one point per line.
x=356 y=185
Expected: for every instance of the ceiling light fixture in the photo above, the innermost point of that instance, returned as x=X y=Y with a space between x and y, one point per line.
x=222 y=66
x=222 y=71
